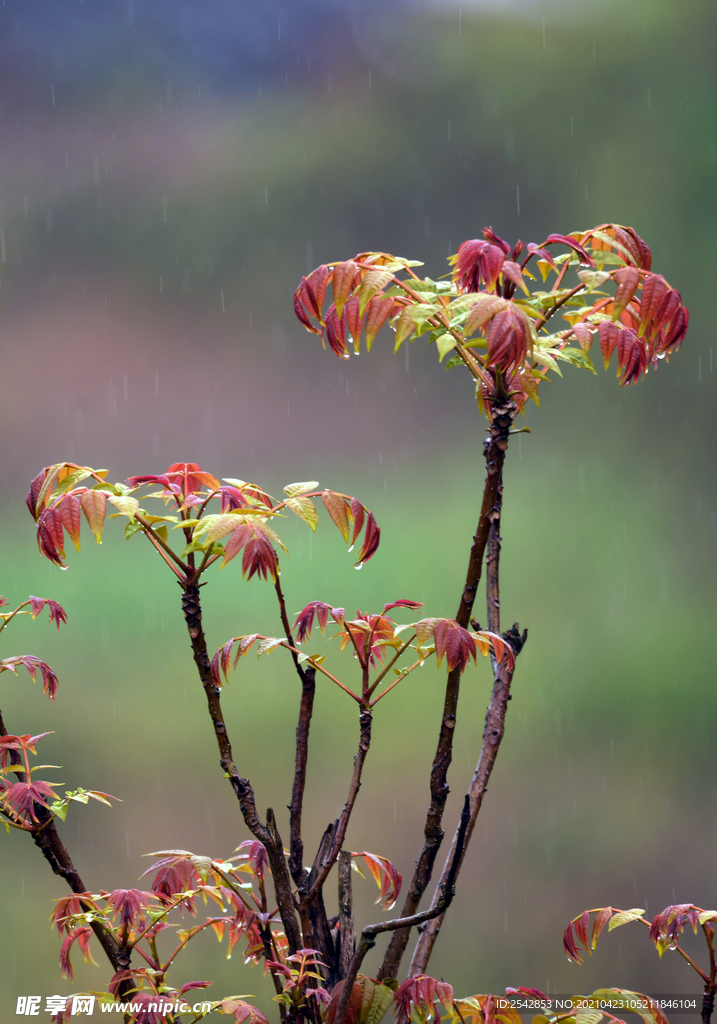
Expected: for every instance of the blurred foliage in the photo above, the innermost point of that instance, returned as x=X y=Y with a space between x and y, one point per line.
x=172 y=153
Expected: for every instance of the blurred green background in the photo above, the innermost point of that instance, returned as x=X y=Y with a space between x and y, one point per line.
x=167 y=173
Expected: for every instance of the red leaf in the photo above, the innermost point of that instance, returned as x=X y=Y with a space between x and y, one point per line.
x=581 y=929
x=575 y=246
x=627 y=279
x=236 y=542
x=357 y=514
x=70 y=513
x=543 y=254
x=569 y=943
x=354 y=320
x=477 y=262
x=631 y=356
x=403 y=604
x=305 y=619
x=299 y=310
x=608 y=333
x=32 y=494
x=513 y=272
x=378 y=311
x=57 y=612
x=677 y=331
x=317 y=281
x=584 y=335
x=455 y=643
x=335 y=331
x=490 y=235
x=94 y=505
x=653 y=289
x=601 y=919
x=371 y=540
x=343 y=283
x=508 y=338
x=52 y=521
x=385 y=875
x=259 y=558
x=335 y=505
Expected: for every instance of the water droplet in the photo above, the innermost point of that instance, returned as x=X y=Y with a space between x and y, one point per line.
x=351 y=549
x=359 y=566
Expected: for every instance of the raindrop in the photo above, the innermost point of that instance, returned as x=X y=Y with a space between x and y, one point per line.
x=370 y=82
x=359 y=565
x=460 y=22
x=222 y=295
x=52 y=94
x=517 y=198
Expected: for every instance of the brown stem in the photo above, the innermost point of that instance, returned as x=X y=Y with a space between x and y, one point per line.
x=347 y=936
x=192 y=609
x=708 y=1000
x=47 y=840
x=306 y=707
x=492 y=735
x=369 y=933
x=504 y=411
x=323 y=868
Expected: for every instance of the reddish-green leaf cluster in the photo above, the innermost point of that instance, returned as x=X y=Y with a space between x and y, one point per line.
x=417 y=997
x=577 y=930
x=369 y=1001
x=458 y=645
x=644 y=320
x=385 y=874
x=242 y=526
x=32 y=664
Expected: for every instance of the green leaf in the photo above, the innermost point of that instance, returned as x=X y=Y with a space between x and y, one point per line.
x=445 y=343
x=588 y=1016
x=593 y=279
x=409 y=319
x=305 y=509
x=291 y=490
x=577 y=357
x=373 y=283
x=624 y=917
x=131 y=528
x=380 y=1004
x=622 y=998
x=126 y=505
x=546 y=359
x=268 y=645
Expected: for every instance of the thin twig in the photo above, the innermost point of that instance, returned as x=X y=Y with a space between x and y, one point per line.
x=192 y=609
x=504 y=411
x=369 y=933
x=306 y=707
x=337 y=839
